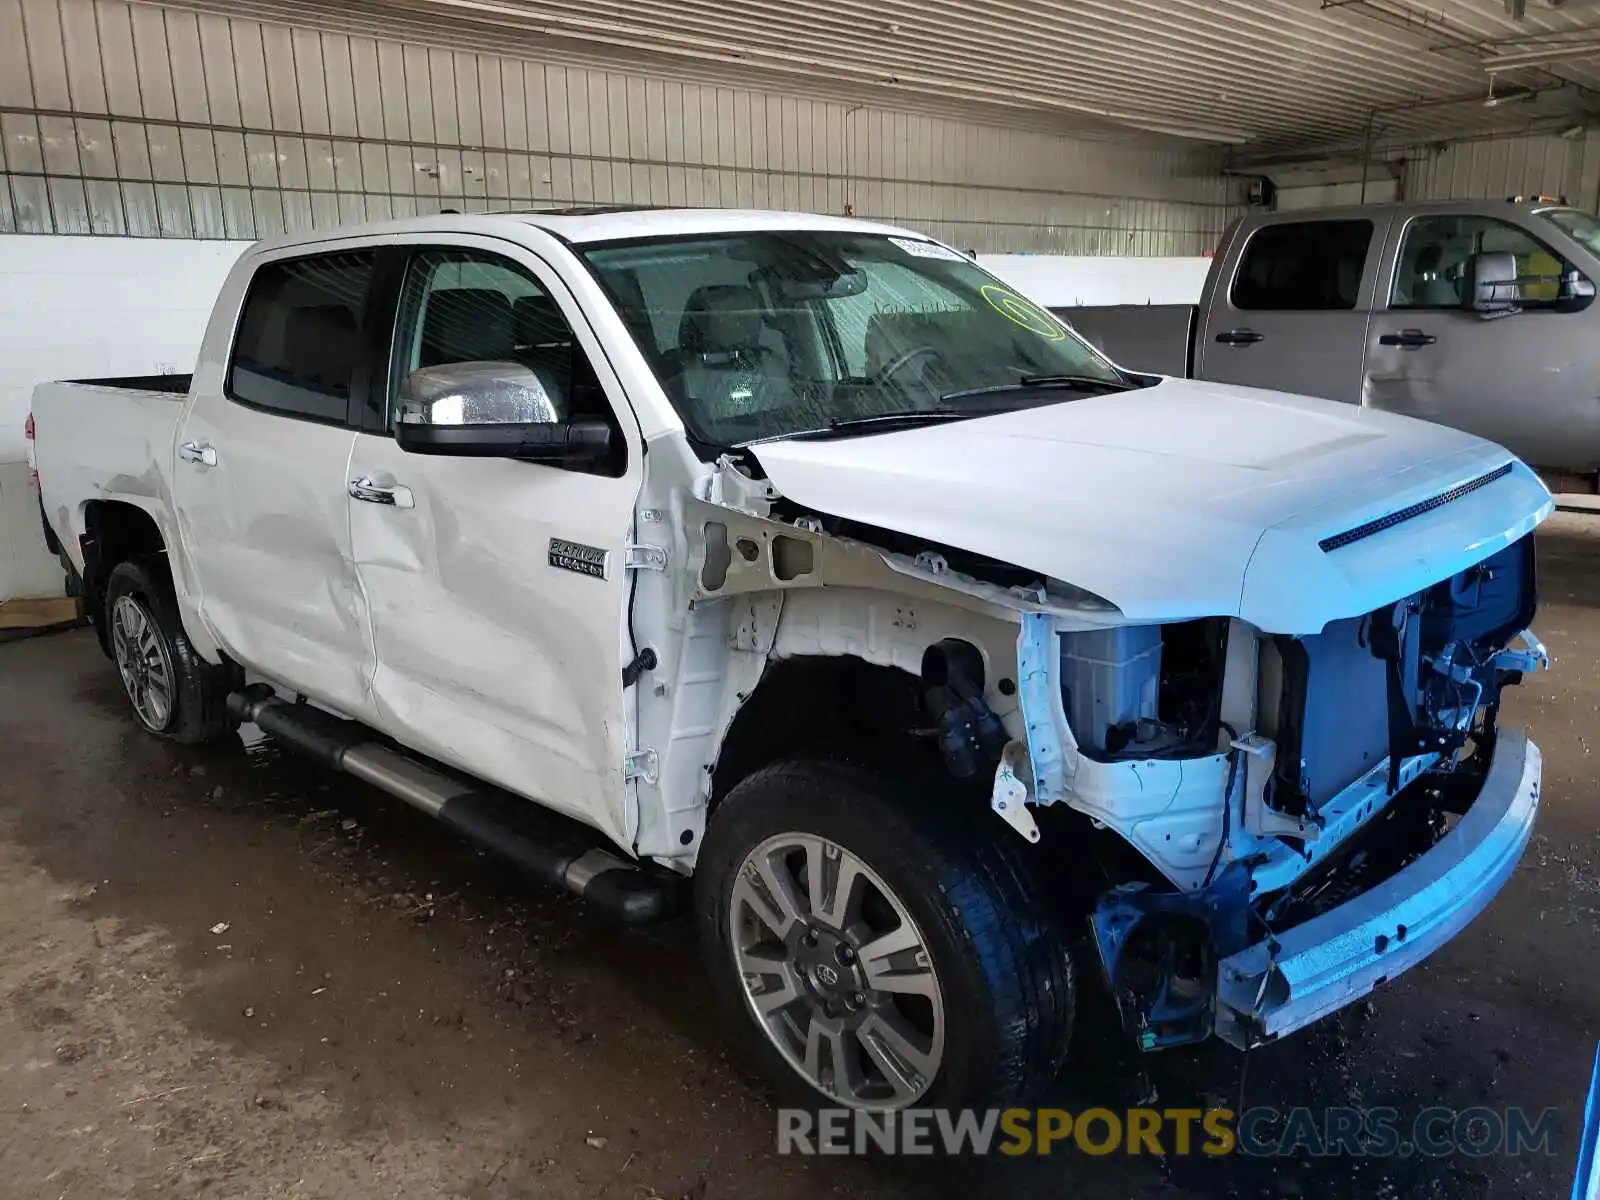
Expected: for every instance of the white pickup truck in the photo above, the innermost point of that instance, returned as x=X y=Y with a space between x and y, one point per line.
x=800 y=556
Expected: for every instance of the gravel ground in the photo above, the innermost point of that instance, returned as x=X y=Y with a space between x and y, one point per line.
x=226 y=972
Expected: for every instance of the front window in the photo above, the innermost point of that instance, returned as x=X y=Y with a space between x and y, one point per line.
x=1436 y=255
x=764 y=335
x=1579 y=226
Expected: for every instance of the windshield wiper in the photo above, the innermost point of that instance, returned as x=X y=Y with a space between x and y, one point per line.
x=1088 y=384
x=881 y=423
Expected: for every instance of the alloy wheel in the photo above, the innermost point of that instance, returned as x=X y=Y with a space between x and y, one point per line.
x=836 y=972
x=144 y=663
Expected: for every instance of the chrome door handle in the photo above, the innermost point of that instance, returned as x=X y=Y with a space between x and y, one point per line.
x=202 y=454
x=378 y=493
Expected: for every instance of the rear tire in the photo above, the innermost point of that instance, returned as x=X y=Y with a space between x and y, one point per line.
x=935 y=978
x=174 y=693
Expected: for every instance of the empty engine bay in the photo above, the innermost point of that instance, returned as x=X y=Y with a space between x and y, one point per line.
x=1365 y=746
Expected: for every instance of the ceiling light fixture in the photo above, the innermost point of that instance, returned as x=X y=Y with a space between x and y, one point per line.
x=1509 y=97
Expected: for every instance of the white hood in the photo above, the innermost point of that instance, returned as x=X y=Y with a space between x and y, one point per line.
x=1184 y=499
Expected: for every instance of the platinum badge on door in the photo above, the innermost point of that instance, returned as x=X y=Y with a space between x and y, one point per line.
x=575 y=556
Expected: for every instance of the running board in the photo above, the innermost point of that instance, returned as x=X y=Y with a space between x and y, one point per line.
x=542 y=844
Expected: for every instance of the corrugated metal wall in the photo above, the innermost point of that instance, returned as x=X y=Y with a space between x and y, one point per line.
x=1494 y=168
x=125 y=118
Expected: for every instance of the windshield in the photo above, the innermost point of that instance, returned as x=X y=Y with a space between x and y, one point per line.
x=763 y=335
x=1579 y=226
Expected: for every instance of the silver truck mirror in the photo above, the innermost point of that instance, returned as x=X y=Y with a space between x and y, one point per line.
x=494 y=410
x=1577 y=291
x=477 y=393
x=1493 y=289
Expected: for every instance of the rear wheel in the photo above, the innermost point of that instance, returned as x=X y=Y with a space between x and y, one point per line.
x=174 y=692
x=882 y=948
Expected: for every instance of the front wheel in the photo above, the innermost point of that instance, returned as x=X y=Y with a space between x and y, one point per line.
x=174 y=692
x=883 y=947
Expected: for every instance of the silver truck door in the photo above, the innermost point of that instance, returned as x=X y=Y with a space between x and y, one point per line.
x=1523 y=376
x=1287 y=306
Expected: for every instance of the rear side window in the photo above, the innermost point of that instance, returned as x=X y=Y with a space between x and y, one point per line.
x=1303 y=266
x=299 y=339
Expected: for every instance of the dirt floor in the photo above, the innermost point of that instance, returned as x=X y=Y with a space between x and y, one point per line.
x=224 y=972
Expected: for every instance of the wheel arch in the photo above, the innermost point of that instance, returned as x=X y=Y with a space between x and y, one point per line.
x=114 y=531
x=850 y=667
x=819 y=703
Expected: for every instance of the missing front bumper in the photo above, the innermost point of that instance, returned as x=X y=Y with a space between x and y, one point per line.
x=1285 y=982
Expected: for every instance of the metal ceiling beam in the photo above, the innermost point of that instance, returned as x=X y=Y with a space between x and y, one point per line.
x=1290 y=74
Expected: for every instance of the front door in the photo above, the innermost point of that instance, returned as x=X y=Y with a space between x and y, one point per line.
x=1523 y=378
x=259 y=481
x=498 y=588
x=1290 y=308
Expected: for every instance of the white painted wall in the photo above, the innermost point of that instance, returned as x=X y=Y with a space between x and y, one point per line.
x=77 y=308
x=1065 y=281
x=1381 y=189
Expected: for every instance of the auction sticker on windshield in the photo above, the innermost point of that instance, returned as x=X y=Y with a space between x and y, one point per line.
x=920 y=249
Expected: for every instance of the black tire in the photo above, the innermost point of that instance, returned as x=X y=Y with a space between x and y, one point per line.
x=198 y=705
x=1002 y=966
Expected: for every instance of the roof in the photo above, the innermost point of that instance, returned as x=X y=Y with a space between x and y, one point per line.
x=1406 y=209
x=597 y=225
x=617 y=224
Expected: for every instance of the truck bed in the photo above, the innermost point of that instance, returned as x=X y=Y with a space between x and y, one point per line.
x=1158 y=338
x=167 y=385
x=105 y=439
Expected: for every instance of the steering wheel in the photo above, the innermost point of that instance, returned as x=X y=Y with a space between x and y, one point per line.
x=899 y=362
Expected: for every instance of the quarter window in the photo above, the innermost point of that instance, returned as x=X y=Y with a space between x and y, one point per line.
x=299 y=340
x=1303 y=266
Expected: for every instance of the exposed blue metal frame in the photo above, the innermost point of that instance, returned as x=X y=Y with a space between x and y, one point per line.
x=1586 y=1180
x=1285 y=982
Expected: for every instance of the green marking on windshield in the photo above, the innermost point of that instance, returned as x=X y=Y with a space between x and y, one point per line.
x=1024 y=312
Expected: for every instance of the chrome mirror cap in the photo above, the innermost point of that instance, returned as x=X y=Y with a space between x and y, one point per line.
x=478 y=393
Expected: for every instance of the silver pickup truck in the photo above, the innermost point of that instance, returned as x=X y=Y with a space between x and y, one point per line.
x=1476 y=314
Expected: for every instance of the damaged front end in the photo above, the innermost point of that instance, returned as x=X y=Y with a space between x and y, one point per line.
x=1318 y=813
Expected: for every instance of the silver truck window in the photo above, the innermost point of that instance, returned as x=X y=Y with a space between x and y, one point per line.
x=1579 y=226
x=1302 y=266
x=1436 y=250
x=299 y=339
x=766 y=334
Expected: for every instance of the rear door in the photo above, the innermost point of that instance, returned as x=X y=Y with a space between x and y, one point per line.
x=499 y=589
x=1290 y=305
x=259 y=481
x=1525 y=379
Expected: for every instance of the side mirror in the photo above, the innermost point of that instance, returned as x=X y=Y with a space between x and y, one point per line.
x=494 y=410
x=1577 y=292
x=1492 y=287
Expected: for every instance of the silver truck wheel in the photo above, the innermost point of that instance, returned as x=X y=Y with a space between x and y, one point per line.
x=144 y=663
x=836 y=972
x=173 y=692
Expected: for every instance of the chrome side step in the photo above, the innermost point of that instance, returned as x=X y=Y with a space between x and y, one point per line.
x=544 y=845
